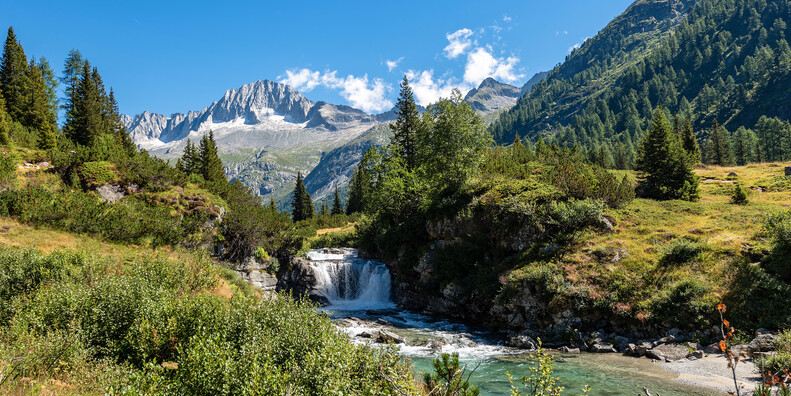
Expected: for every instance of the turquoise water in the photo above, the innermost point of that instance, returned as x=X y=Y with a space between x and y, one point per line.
x=605 y=374
x=359 y=293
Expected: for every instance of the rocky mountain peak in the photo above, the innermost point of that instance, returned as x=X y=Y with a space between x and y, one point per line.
x=260 y=100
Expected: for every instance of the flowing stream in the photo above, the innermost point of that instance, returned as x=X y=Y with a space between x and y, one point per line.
x=359 y=294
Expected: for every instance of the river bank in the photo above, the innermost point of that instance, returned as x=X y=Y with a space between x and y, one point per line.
x=356 y=294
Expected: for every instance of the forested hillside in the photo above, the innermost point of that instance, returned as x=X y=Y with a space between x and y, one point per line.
x=728 y=61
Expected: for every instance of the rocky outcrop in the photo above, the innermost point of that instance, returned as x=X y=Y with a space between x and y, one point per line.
x=111 y=193
x=255 y=271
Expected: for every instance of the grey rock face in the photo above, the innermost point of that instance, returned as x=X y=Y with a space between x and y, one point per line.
x=523 y=342
x=668 y=352
x=492 y=95
x=110 y=193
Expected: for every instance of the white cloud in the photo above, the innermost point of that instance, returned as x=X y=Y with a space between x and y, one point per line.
x=459 y=42
x=392 y=64
x=361 y=93
x=481 y=64
x=302 y=80
x=507 y=18
x=575 y=46
x=427 y=90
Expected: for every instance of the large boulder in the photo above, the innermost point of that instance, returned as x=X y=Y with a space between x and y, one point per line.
x=668 y=352
x=110 y=193
x=388 y=337
x=602 y=347
x=522 y=341
x=763 y=343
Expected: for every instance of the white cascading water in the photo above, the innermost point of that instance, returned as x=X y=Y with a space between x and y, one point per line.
x=349 y=282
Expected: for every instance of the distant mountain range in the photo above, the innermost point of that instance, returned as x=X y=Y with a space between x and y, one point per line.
x=266 y=132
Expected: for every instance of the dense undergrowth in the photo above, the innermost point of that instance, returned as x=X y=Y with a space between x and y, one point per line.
x=81 y=323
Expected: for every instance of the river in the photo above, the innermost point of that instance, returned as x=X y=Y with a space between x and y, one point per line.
x=359 y=294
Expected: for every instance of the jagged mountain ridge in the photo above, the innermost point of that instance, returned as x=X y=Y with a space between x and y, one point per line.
x=267 y=132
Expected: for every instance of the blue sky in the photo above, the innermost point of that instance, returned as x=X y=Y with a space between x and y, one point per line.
x=175 y=56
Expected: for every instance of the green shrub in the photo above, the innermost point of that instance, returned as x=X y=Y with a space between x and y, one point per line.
x=684 y=303
x=159 y=328
x=93 y=174
x=8 y=165
x=336 y=239
x=682 y=251
x=739 y=195
x=781 y=362
x=778 y=262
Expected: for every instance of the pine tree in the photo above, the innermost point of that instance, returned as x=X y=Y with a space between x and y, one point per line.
x=50 y=88
x=406 y=125
x=759 y=153
x=84 y=120
x=13 y=76
x=358 y=188
x=337 y=207
x=301 y=204
x=664 y=170
x=325 y=211
x=210 y=163
x=35 y=113
x=272 y=205
x=190 y=161
x=71 y=77
x=690 y=143
x=717 y=150
x=621 y=159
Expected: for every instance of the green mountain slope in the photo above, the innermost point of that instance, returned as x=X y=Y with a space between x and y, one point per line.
x=727 y=60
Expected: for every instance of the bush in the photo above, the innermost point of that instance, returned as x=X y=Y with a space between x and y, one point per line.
x=8 y=165
x=94 y=174
x=778 y=226
x=682 y=251
x=781 y=362
x=739 y=195
x=161 y=330
x=684 y=303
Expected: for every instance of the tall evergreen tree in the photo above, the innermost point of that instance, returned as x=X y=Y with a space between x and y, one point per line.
x=71 y=77
x=717 y=150
x=50 y=87
x=337 y=207
x=84 y=122
x=5 y=124
x=621 y=158
x=358 y=187
x=35 y=112
x=210 y=164
x=190 y=161
x=662 y=164
x=406 y=125
x=325 y=211
x=301 y=203
x=272 y=205
x=13 y=76
x=689 y=142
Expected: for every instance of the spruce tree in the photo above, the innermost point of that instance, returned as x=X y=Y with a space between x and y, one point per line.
x=717 y=150
x=325 y=211
x=190 y=161
x=759 y=153
x=690 y=143
x=358 y=188
x=13 y=76
x=50 y=88
x=301 y=204
x=662 y=164
x=210 y=163
x=35 y=113
x=406 y=125
x=337 y=207
x=71 y=77
x=272 y=205
x=621 y=159
x=84 y=120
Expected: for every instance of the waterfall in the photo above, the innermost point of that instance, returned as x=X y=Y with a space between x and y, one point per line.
x=350 y=282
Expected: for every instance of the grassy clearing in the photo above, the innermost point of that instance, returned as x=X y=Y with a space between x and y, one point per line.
x=677 y=254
